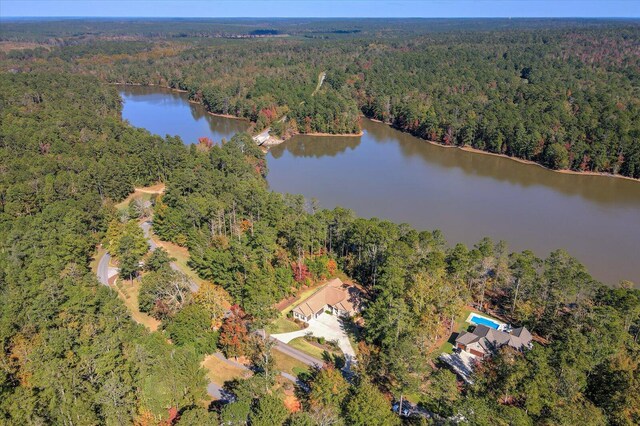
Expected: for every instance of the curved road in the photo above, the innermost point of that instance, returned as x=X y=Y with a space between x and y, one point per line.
x=292 y=352
x=329 y=327
x=146 y=228
x=103 y=269
x=213 y=389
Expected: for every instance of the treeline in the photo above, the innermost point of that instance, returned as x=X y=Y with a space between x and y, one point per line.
x=64 y=30
x=565 y=100
x=563 y=95
x=260 y=246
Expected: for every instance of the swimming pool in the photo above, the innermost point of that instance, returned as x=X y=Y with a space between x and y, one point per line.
x=477 y=319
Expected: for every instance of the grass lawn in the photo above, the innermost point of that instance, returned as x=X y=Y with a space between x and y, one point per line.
x=282 y=325
x=128 y=292
x=288 y=364
x=302 y=345
x=460 y=325
x=413 y=397
x=220 y=372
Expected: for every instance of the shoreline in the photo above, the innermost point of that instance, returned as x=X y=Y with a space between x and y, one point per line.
x=216 y=114
x=234 y=116
x=149 y=85
x=346 y=135
x=462 y=148
x=473 y=150
x=523 y=161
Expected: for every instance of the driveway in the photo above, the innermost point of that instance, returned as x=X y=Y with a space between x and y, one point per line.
x=146 y=229
x=329 y=327
x=462 y=363
x=106 y=272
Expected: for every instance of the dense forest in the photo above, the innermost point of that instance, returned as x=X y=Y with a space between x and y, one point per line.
x=563 y=94
x=72 y=355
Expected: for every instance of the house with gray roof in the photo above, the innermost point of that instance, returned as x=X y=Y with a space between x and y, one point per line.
x=483 y=340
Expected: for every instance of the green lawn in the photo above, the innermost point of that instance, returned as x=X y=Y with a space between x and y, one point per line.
x=288 y=364
x=460 y=325
x=302 y=345
x=282 y=325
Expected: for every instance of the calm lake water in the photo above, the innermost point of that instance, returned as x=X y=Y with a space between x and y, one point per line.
x=165 y=112
x=392 y=175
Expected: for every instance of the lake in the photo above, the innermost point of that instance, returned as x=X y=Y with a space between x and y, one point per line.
x=395 y=176
x=166 y=112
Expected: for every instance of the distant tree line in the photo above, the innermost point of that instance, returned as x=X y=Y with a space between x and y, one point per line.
x=564 y=96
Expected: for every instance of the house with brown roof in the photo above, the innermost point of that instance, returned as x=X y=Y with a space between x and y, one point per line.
x=483 y=340
x=335 y=296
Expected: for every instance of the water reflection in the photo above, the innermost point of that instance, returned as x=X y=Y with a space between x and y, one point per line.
x=163 y=112
x=596 y=188
x=316 y=146
x=392 y=175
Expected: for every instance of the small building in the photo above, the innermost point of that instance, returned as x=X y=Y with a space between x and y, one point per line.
x=335 y=296
x=483 y=340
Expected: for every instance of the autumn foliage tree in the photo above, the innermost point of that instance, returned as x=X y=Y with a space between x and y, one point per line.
x=234 y=335
x=205 y=141
x=213 y=299
x=332 y=267
x=301 y=272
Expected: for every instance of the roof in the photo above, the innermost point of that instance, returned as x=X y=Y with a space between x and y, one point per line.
x=522 y=333
x=485 y=338
x=466 y=338
x=335 y=293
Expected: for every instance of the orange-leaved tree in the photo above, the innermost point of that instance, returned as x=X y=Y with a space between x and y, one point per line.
x=234 y=335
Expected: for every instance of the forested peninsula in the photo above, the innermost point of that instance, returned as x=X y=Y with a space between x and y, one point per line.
x=561 y=94
x=210 y=262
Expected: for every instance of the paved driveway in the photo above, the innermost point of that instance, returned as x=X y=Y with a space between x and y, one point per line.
x=106 y=272
x=327 y=326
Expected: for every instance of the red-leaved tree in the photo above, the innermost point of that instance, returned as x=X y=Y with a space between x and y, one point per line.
x=234 y=336
x=301 y=272
x=205 y=141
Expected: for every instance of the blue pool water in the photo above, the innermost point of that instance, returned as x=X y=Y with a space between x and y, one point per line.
x=484 y=321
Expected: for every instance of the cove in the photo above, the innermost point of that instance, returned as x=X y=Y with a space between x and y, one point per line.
x=392 y=175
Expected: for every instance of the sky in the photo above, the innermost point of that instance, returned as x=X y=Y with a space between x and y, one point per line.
x=325 y=8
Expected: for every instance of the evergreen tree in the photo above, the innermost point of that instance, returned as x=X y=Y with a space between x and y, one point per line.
x=366 y=406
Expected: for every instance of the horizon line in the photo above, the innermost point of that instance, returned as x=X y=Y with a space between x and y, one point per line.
x=313 y=17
